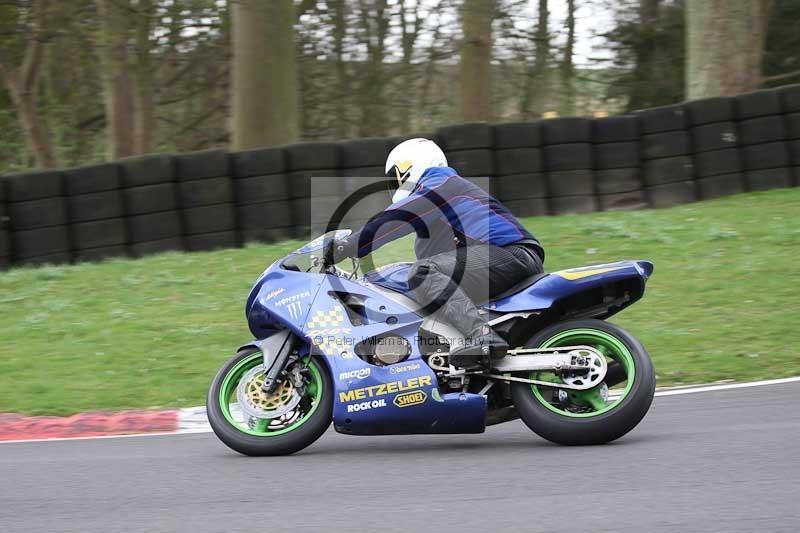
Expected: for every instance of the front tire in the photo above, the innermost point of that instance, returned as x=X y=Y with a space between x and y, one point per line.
x=280 y=436
x=589 y=417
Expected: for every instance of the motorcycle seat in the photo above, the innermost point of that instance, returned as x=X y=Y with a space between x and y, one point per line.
x=395 y=277
x=520 y=286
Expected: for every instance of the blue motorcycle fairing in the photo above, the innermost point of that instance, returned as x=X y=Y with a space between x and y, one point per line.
x=368 y=399
x=393 y=277
x=281 y=298
x=546 y=291
x=372 y=400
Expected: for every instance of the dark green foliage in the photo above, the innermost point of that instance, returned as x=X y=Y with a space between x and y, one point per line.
x=782 y=50
x=649 y=55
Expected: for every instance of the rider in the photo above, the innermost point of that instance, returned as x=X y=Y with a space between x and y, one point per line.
x=456 y=222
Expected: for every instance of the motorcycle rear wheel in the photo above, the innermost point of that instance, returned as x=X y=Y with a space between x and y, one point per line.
x=591 y=416
x=259 y=437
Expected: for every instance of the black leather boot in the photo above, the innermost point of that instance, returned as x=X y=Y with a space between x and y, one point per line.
x=479 y=350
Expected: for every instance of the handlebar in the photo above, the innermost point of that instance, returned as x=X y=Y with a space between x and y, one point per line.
x=330 y=268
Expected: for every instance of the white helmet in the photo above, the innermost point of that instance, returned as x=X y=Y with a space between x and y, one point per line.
x=409 y=159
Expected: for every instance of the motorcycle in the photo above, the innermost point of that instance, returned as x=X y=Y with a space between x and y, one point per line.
x=333 y=346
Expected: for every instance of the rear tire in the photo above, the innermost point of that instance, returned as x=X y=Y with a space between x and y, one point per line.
x=603 y=424
x=296 y=436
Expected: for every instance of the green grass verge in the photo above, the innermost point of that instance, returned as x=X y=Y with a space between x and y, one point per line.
x=723 y=303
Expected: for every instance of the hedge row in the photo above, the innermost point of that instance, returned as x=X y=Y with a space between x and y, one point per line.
x=214 y=199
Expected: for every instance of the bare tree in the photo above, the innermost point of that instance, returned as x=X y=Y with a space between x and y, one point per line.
x=725 y=46
x=22 y=83
x=339 y=10
x=534 y=88
x=567 y=65
x=264 y=74
x=375 y=25
x=410 y=33
x=429 y=76
x=113 y=37
x=476 y=55
x=144 y=80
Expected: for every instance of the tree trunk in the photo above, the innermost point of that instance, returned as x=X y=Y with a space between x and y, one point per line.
x=410 y=33
x=143 y=81
x=535 y=87
x=22 y=84
x=38 y=135
x=342 y=83
x=725 y=46
x=117 y=84
x=476 y=55
x=429 y=75
x=567 y=66
x=264 y=74
x=376 y=25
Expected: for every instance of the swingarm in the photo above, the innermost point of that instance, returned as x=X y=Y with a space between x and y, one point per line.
x=579 y=367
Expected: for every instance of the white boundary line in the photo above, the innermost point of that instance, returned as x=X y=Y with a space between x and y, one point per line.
x=725 y=386
x=193 y=419
x=60 y=439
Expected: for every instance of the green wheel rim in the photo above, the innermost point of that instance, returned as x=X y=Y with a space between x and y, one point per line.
x=605 y=343
x=231 y=380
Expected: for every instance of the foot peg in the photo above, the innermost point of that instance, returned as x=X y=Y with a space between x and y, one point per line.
x=479 y=351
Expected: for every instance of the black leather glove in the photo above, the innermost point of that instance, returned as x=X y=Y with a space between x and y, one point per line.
x=335 y=251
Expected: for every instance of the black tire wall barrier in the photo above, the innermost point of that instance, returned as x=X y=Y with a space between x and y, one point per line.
x=96 y=212
x=206 y=200
x=151 y=202
x=5 y=236
x=519 y=164
x=617 y=158
x=262 y=194
x=213 y=199
x=569 y=162
x=38 y=220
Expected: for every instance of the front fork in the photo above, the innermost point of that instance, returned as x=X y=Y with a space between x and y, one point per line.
x=276 y=350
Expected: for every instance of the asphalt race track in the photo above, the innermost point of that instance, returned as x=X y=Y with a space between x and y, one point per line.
x=716 y=461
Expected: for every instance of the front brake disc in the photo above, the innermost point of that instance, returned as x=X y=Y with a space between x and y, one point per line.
x=256 y=403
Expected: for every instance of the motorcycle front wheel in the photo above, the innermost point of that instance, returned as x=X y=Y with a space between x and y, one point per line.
x=598 y=415
x=254 y=423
